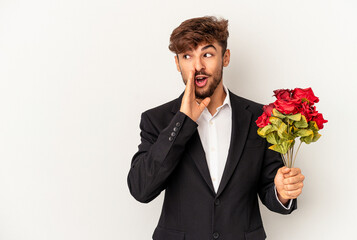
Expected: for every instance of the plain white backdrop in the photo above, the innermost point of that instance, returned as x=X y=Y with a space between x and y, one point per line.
x=76 y=75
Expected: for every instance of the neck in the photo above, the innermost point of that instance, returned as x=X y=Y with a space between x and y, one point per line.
x=217 y=99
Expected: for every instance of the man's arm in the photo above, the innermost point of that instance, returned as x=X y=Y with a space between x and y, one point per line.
x=286 y=203
x=267 y=193
x=158 y=155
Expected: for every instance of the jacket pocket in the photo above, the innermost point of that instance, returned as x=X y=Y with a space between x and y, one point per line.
x=161 y=233
x=258 y=234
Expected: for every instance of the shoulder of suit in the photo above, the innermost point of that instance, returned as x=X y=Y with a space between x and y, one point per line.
x=164 y=108
x=250 y=105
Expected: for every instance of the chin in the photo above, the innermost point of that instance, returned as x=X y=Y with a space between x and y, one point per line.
x=202 y=95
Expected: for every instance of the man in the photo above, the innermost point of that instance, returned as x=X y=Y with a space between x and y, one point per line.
x=203 y=149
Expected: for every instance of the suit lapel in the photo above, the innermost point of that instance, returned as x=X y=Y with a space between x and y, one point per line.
x=198 y=155
x=196 y=151
x=241 y=119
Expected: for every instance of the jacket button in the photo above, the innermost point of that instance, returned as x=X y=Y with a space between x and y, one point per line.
x=178 y=124
x=171 y=138
x=173 y=134
x=215 y=235
x=175 y=129
x=217 y=202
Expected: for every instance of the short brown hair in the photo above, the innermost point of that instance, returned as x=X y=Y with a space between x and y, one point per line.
x=196 y=31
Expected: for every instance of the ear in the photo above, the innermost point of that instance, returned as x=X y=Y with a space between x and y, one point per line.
x=177 y=63
x=226 y=58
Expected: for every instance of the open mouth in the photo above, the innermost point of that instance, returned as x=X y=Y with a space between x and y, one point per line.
x=201 y=81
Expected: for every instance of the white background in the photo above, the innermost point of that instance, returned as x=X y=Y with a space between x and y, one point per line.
x=76 y=75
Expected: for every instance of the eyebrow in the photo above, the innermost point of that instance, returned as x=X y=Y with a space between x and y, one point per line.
x=208 y=46
x=205 y=47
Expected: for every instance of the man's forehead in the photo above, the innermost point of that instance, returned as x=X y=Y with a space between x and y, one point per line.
x=203 y=46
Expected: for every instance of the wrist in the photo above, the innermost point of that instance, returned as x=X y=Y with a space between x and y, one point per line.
x=283 y=200
x=188 y=115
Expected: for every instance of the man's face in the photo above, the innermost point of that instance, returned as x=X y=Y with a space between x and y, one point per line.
x=207 y=62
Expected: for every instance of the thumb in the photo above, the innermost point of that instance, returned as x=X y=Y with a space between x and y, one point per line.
x=285 y=170
x=204 y=103
x=282 y=170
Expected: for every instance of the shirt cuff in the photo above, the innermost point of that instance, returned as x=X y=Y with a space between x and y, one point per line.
x=290 y=200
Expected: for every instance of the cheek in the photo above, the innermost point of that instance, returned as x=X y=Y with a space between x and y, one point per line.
x=217 y=69
x=185 y=70
x=187 y=67
x=184 y=75
x=214 y=65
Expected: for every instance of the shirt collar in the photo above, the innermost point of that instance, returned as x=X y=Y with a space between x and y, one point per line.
x=205 y=114
x=227 y=100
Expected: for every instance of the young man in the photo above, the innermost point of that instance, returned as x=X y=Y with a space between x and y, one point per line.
x=203 y=149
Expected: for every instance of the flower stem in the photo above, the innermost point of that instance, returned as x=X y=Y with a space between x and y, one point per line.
x=289 y=159
x=282 y=157
x=292 y=153
x=297 y=152
x=289 y=150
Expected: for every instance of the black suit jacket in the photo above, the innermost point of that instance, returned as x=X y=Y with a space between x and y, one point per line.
x=171 y=158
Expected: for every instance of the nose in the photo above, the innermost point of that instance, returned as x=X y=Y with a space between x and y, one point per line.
x=199 y=64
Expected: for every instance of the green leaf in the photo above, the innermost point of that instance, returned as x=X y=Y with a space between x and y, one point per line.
x=277 y=148
x=278 y=114
x=265 y=130
x=292 y=130
x=287 y=144
x=275 y=121
x=308 y=139
x=283 y=147
x=282 y=131
x=316 y=136
x=304 y=132
x=273 y=138
x=295 y=117
x=313 y=126
x=302 y=123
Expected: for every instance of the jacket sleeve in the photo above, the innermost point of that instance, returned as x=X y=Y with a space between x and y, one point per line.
x=272 y=162
x=157 y=156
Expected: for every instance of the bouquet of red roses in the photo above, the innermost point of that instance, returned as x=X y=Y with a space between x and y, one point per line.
x=292 y=115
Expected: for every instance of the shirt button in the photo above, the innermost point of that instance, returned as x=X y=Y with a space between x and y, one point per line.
x=175 y=129
x=171 y=138
x=178 y=124
x=215 y=235
x=173 y=134
x=213 y=149
x=217 y=202
x=210 y=123
x=214 y=179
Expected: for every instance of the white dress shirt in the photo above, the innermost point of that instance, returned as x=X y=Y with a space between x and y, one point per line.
x=215 y=135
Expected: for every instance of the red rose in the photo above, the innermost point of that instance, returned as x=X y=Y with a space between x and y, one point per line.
x=287 y=106
x=305 y=95
x=308 y=111
x=268 y=109
x=263 y=120
x=282 y=94
x=319 y=119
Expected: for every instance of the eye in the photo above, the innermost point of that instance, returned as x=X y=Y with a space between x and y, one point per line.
x=208 y=55
x=186 y=56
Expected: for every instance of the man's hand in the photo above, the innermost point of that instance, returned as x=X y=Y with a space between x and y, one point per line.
x=289 y=183
x=189 y=105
